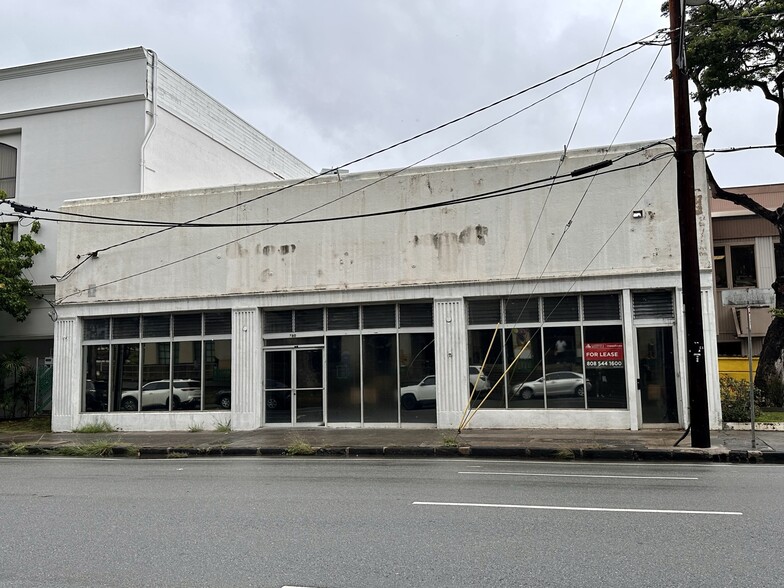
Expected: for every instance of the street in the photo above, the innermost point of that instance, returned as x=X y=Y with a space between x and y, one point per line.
x=340 y=523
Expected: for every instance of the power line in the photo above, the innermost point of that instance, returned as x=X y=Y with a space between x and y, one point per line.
x=640 y=43
x=472 y=198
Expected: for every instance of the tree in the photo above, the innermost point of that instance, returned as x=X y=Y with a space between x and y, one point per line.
x=15 y=257
x=734 y=46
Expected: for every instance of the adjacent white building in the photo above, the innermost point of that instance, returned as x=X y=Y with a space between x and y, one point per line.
x=121 y=122
x=381 y=299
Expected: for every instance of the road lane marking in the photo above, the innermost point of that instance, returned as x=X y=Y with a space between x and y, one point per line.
x=578 y=508
x=577 y=476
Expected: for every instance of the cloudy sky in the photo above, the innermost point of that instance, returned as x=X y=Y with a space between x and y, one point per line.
x=333 y=80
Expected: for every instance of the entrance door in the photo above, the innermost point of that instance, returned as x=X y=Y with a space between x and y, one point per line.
x=294 y=386
x=656 y=357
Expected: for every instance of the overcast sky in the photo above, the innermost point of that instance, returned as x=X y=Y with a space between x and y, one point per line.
x=333 y=80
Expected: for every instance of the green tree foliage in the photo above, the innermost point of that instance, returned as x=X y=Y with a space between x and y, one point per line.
x=734 y=46
x=15 y=257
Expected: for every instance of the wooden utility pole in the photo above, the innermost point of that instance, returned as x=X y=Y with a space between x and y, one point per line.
x=687 y=217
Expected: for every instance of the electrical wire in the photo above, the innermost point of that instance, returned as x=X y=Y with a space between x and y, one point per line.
x=472 y=198
x=640 y=43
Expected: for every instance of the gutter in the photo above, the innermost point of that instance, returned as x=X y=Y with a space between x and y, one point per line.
x=153 y=114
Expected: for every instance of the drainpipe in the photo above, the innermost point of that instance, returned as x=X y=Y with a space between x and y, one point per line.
x=153 y=113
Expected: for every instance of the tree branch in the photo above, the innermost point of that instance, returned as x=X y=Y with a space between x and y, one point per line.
x=741 y=199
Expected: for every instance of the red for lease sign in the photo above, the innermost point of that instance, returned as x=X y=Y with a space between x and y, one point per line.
x=606 y=355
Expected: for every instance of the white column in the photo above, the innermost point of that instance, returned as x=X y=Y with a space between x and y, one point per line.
x=632 y=361
x=66 y=388
x=246 y=369
x=451 y=350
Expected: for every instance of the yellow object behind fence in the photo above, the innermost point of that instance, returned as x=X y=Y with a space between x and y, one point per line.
x=737 y=367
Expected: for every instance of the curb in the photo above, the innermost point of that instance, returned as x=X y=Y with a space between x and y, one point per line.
x=716 y=454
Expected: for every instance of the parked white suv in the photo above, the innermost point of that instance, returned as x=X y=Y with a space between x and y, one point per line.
x=186 y=394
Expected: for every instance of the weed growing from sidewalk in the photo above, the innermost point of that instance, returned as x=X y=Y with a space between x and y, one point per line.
x=15 y=449
x=101 y=448
x=300 y=447
x=99 y=427
x=449 y=440
x=176 y=455
x=564 y=454
x=223 y=427
x=195 y=428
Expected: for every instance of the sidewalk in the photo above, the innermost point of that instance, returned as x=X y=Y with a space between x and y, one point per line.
x=730 y=446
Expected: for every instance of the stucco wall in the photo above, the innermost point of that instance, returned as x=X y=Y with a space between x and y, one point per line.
x=518 y=236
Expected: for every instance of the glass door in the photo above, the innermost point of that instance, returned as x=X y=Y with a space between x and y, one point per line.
x=294 y=386
x=656 y=383
x=309 y=386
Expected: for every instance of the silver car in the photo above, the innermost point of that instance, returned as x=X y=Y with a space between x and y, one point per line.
x=556 y=384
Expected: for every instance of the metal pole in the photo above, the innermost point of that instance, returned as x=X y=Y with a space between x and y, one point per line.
x=751 y=377
x=687 y=219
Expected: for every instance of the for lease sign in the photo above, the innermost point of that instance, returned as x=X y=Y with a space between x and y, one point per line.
x=603 y=355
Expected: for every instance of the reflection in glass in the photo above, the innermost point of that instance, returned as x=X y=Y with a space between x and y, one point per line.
x=343 y=384
x=478 y=344
x=96 y=379
x=379 y=378
x=564 y=384
x=522 y=378
x=186 y=370
x=125 y=376
x=155 y=390
x=417 y=362
x=217 y=374
x=310 y=386
x=604 y=366
x=277 y=387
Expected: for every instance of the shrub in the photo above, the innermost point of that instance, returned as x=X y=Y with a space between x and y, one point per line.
x=735 y=400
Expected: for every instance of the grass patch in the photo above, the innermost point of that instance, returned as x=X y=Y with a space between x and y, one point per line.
x=195 y=429
x=15 y=449
x=99 y=427
x=564 y=454
x=771 y=416
x=300 y=447
x=39 y=424
x=449 y=440
x=176 y=455
x=94 y=449
x=223 y=427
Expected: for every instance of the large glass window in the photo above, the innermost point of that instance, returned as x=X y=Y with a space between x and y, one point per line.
x=545 y=364
x=379 y=359
x=344 y=391
x=157 y=362
x=417 y=363
x=379 y=378
x=605 y=362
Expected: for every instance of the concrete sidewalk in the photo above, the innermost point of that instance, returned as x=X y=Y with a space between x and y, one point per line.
x=648 y=444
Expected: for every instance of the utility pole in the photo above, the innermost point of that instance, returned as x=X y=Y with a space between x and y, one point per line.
x=687 y=217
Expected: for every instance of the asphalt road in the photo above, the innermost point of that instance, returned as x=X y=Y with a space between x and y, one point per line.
x=357 y=523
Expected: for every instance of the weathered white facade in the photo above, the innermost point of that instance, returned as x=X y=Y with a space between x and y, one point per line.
x=116 y=123
x=335 y=322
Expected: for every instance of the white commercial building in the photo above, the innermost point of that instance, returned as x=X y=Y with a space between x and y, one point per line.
x=381 y=299
x=113 y=123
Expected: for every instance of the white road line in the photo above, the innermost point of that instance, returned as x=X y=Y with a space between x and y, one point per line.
x=579 y=508
x=577 y=476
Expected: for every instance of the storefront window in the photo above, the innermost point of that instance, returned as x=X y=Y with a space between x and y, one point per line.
x=379 y=378
x=605 y=363
x=417 y=363
x=479 y=341
x=523 y=377
x=545 y=366
x=171 y=367
x=343 y=383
